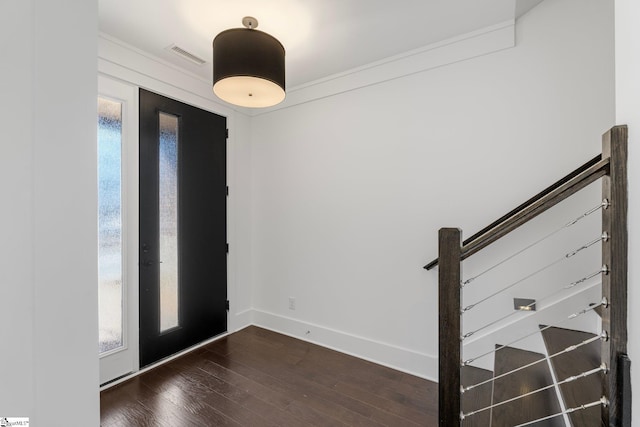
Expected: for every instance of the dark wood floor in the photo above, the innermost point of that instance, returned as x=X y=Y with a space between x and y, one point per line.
x=256 y=377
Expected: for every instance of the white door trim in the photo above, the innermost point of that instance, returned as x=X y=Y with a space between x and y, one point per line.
x=123 y=361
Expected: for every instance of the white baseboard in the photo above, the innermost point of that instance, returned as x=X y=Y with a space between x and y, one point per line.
x=401 y=359
x=240 y=320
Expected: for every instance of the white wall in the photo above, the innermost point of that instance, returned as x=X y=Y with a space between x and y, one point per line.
x=350 y=189
x=241 y=250
x=16 y=181
x=49 y=365
x=627 y=34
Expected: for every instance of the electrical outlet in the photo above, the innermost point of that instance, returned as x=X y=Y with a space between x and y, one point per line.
x=292 y=303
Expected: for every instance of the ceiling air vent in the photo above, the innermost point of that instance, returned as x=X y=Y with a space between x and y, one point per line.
x=186 y=55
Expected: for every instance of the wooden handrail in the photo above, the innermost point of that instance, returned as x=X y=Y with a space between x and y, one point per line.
x=550 y=196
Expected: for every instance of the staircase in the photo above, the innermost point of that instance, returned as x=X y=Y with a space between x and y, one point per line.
x=545 y=403
x=587 y=381
x=583 y=390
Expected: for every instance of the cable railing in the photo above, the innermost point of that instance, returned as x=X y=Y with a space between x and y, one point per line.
x=592 y=307
x=601 y=368
x=601 y=402
x=539 y=301
x=613 y=405
x=603 y=205
x=568 y=349
x=564 y=257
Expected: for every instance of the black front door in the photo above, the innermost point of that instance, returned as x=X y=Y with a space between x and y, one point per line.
x=183 y=260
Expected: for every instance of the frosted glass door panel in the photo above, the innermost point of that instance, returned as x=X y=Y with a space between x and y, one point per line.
x=168 y=209
x=182 y=234
x=110 y=225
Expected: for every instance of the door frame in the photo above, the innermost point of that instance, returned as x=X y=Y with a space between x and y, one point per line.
x=124 y=64
x=202 y=211
x=120 y=362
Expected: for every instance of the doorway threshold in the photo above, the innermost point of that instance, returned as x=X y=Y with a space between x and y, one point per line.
x=131 y=375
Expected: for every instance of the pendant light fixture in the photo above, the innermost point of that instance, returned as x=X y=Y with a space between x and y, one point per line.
x=248 y=66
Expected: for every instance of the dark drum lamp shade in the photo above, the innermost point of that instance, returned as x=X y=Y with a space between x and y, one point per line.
x=248 y=67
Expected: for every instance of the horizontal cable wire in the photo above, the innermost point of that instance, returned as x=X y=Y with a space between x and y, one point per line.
x=603 y=401
x=604 y=204
x=601 y=368
x=566 y=350
x=592 y=307
x=604 y=270
x=566 y=256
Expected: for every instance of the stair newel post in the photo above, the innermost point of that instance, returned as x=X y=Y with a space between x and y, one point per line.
x=449 y=275
x=614 y=256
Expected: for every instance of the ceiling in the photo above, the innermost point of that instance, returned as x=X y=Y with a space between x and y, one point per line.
x=321 y=37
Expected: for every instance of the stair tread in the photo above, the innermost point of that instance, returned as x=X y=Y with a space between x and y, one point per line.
x=532 y=407
x=585 y=358
x=476 y=398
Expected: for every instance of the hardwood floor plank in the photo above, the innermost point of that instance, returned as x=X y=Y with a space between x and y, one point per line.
x=248 y=395
x=325 y=359
x=257 y=377
x=317 y=396
x=313 y=417
x=328 y=367
x=367 y=374
x=283 y=368
x=405 y=415
x=199 y=392
x=143 y=406
x=268 y=395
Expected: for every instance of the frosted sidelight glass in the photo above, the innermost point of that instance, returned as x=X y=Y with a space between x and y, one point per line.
x=109 y=225
x=168 y=210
